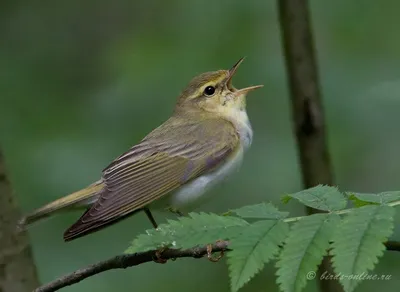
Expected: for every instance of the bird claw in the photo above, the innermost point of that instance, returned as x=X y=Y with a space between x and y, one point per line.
x=175 y=211
x=210 y=256
x=157 y=258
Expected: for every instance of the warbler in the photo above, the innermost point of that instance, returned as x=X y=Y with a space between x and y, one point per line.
x=172 y=167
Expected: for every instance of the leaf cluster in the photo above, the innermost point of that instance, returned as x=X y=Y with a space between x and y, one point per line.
x=353 y=237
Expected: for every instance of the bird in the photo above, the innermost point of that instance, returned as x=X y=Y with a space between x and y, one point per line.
x=174 y=166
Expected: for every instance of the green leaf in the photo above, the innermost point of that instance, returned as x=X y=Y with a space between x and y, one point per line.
x=253 y=248
x=304 y=249
x=286 y=199
x=263 y=210
x=358 y=242
x=381 y=198
x=322 y=197
x=186 y=232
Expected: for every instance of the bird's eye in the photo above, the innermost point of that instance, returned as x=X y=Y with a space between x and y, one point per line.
x=209 y=90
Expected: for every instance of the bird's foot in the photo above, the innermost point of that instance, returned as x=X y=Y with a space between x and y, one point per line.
x=157 y=258
x=175 y=211
x=210 y=256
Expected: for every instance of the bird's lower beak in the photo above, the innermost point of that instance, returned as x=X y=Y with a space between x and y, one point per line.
x=247 y=89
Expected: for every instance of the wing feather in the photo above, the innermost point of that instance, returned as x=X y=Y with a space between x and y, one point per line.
x=162 y=162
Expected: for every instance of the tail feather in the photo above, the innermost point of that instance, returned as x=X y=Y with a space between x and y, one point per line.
x=83 y=198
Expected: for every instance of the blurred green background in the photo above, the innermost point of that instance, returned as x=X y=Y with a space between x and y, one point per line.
x=82 y=81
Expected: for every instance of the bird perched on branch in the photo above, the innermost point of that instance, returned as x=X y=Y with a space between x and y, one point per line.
x=173 y=166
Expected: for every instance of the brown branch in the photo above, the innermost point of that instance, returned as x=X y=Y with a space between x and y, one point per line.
x=307 y=111
x=128 y=260
x=392 y=245
x=17 y=268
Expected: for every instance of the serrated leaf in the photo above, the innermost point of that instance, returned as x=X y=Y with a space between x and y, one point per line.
x=186 y=232
x=304 y=249
x=263 y=210
x=253 y=248
x=358 y=242
x=381 y=198
x=322 y=197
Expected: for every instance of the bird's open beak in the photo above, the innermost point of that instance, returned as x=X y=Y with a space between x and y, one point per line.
x=229 y=85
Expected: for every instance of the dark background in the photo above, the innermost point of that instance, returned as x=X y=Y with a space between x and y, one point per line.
x=82 y=81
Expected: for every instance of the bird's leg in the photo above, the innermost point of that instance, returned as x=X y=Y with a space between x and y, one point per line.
x=151 y=218
x=158 y=254
x=175 y=211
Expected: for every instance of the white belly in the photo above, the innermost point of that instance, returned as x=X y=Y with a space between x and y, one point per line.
x=194 y=192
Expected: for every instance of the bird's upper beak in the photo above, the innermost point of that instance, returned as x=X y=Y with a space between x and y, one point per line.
x=229 y=85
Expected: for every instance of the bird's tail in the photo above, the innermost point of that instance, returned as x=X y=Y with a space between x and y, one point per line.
x=83 y=198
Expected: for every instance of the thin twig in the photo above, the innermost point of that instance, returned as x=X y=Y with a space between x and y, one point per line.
x=308 y=116
x=340 y=212
x=128 y=260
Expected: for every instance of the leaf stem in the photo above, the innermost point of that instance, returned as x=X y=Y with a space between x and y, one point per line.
x=340 y=212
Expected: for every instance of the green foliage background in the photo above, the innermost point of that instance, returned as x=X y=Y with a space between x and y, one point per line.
x=81 y=81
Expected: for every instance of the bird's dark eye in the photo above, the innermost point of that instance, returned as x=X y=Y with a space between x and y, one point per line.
x=209 y=90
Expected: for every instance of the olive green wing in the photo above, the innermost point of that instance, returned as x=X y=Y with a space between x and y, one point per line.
x=167 y=158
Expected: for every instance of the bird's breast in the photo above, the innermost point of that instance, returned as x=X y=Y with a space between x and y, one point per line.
x=196 y=191
x=243 y=127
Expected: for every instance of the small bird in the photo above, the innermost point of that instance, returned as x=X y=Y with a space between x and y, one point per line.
x=173 y=166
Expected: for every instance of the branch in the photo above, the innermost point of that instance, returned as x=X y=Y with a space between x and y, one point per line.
x=392 y=245
x=128 y=260
x=17 y=268
x=307 y=111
